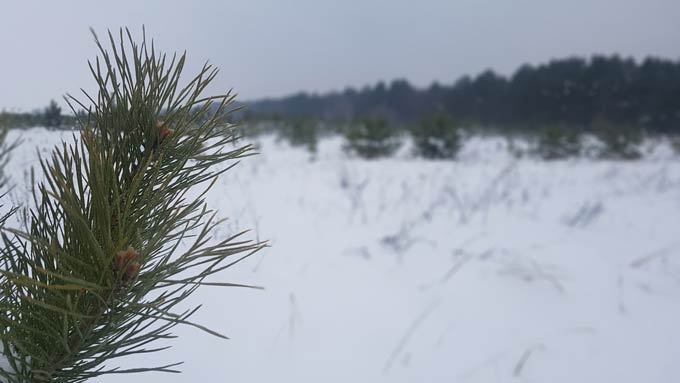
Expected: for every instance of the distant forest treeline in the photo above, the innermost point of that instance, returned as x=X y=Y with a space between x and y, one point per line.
x=572 y=91
x=49 y=117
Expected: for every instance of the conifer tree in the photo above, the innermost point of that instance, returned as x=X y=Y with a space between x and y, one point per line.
x=52 y=115
x=557 y=141
x=437 y=137
x=302 y=132
x=675 y=143
x=621 y=141
x=120 y=234
x=5 y=149
x=372 y=138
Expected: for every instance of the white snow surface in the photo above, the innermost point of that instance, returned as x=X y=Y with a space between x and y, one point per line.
x=486 y=269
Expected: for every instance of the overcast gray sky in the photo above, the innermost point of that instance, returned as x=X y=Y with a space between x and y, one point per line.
x=277 y=47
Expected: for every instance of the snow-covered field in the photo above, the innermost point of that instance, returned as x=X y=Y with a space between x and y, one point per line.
x=487 y=269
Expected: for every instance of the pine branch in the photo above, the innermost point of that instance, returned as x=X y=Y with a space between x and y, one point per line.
x=104 y=263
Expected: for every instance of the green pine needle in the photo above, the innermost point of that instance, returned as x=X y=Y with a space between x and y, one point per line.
x=104 y=261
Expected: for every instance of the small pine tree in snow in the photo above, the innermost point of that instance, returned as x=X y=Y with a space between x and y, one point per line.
x=372 y=138
x=52 y=115
x=621 y=142
x=302 y=133
x=558 y=142
x=439 y=137
x=675 y=143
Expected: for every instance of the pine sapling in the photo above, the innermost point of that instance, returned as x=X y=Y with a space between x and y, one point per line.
x=120 y=233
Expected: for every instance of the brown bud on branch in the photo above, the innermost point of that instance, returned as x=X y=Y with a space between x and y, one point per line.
x=127 y=264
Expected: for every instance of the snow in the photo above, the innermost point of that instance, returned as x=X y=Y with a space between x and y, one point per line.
x=485 y=269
